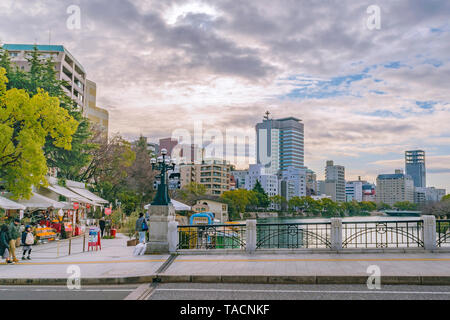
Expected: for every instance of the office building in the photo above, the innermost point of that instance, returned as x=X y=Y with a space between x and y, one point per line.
x=293 y=183
x=168 y=144
x=269 y=182
x=392 y=188
x=415 y=167
x=335 y=181
x=239 y=177
x=354 y=191
x=280 y=144
x=311 y=183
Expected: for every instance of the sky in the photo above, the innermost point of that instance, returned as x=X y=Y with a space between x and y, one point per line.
x=364 y=94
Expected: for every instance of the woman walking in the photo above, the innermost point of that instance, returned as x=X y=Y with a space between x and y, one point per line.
x=27 y=242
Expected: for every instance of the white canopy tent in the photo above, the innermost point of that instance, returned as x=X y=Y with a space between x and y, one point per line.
x=89 y=195
x=38 y=201
x=69 y=194
x=10 y=205
x=179 y=206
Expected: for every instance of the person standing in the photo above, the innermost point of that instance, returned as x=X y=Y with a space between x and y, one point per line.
x=102 y=225
x=27 y=242
x=14 y=234
x=4 y=243
x=141 y=227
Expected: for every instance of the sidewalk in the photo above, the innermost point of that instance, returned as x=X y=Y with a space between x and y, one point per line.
x=115 y=260
x=116 y=264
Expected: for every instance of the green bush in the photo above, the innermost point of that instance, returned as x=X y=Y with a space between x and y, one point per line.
x=130 y=224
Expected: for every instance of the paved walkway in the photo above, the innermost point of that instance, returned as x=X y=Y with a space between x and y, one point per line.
x=116 y=260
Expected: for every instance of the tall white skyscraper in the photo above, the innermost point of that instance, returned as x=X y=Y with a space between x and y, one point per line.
x=280 y=144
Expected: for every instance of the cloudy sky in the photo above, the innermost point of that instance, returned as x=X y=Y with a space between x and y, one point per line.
x=365 y=95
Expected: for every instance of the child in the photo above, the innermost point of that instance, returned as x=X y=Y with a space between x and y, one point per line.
x=27 y=242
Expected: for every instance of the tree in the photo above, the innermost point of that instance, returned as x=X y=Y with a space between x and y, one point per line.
x=263 y=200
x=140 y=176
x=25 y=123
x=405 y=206
x=192 y=191
x=42 y=75
x=109 y=168
x=279 y=201
x=446 y=198
x=383 y=206
x=238 y=200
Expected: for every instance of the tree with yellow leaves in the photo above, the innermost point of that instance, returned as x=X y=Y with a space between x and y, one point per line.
x=25 y=122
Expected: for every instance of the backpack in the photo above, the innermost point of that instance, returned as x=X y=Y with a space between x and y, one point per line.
x=29 y=240
x=144 y=225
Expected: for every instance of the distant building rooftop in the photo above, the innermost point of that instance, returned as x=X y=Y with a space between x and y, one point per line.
x=40 y=47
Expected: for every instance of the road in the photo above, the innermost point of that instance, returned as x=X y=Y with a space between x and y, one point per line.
x=193 y=291
x=63 y=293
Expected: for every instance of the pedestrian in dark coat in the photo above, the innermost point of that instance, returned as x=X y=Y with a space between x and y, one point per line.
x=4 y=243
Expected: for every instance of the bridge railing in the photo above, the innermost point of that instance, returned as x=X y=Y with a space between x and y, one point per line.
x=335 y=234
x=293 y=235
x=216 y=236
x=382 y=234
x=443 y=233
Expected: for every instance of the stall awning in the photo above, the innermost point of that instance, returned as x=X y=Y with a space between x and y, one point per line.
x=89 y=195
x=69 y=194
x=179 y=206
x=10 y=205
x=38 y=201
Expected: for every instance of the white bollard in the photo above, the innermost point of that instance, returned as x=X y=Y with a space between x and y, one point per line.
x=173 y=236
x=336 y=234
x=429 y=232
x=250 y=235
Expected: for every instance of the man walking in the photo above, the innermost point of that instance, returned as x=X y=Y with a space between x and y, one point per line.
x=141 y=227
x=14 y=234
x=102 y=225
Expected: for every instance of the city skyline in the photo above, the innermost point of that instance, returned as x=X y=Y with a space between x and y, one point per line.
x=365 y=96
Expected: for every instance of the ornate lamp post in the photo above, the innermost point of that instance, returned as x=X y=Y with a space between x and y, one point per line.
x=163 y=163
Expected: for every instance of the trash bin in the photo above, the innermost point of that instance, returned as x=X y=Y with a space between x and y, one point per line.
x=113 y=233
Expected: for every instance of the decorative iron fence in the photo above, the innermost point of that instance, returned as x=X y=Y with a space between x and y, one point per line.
x=216 y=236
x=383 y=234
x=293 y=235
x=443 y=232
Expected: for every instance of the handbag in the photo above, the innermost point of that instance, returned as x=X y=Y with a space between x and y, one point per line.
x=144 y=226
x=17 y=242
x=6 y=254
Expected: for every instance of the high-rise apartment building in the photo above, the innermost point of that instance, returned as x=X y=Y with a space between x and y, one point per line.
x=81 y=90
x=415 y=167
x=280 y=144
x=213 y=174
x=392 y=188
x=67 y=67
x=335 y=181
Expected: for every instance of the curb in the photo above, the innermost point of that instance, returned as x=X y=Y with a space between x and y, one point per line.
x=257 y=279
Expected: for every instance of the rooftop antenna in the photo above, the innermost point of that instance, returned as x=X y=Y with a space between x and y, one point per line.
x=266 y=117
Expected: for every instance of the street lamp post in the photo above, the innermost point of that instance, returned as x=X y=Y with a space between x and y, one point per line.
x=162 y=164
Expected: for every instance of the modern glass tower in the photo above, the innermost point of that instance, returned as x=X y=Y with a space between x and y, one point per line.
x=415 y=167
x=280 y=144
